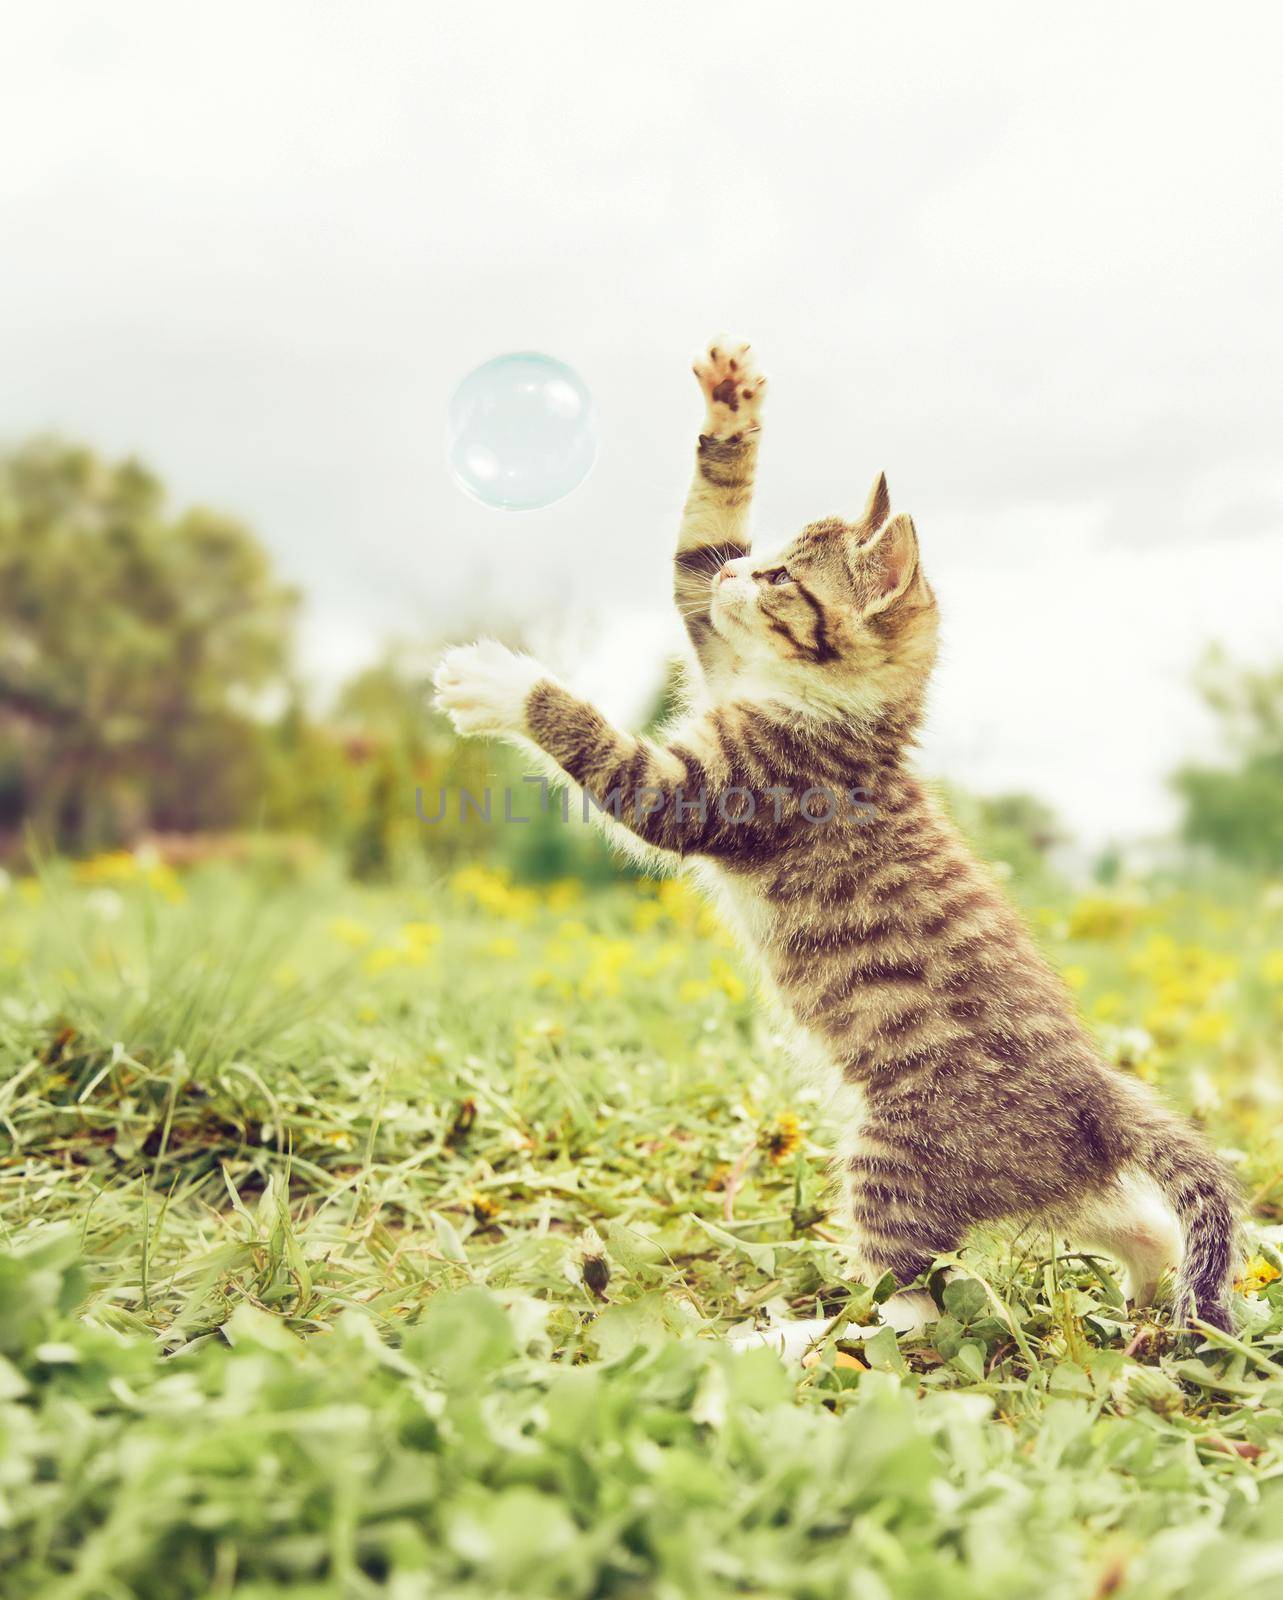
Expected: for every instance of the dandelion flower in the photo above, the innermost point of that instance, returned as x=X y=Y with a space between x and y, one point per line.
x=1255 y=1275
x=780 y=1138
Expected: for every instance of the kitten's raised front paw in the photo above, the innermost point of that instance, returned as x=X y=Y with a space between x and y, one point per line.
x=483 y=687
x=733 y=388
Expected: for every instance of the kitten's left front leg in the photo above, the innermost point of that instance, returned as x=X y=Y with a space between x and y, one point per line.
x=663 y=794
x=483 y=688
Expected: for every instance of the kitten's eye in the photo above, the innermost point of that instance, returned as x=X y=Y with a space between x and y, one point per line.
x=780 y=575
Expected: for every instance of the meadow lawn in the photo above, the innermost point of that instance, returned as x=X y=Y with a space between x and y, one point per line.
x=379 y=1241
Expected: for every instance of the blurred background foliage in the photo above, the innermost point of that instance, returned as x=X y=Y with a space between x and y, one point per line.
x=149 y=696
x=1235 y=809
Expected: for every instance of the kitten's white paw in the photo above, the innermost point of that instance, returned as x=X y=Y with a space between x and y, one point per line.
x=906 y=1312
x=733 y=389
x=483 y=687
x=789 y=1340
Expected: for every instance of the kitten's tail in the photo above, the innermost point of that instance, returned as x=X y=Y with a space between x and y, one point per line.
x=1205 y=1199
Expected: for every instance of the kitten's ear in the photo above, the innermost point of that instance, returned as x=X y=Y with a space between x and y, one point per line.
x=878 y=508
x=888 y=563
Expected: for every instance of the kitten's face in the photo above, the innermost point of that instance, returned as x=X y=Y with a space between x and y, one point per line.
x=845 y=601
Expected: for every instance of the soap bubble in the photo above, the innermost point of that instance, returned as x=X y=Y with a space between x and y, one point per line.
x=522 y=432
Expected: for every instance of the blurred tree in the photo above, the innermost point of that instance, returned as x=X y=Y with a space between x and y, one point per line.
x=383 y=728
x=136 y=650
x=1236 y=810
x=1018 y=830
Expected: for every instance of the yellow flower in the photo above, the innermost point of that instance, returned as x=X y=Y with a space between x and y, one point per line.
x=1156 y=954
x=112 y=866
x=395 y=955
x=680 y=903
x=1255 y=1275
x=1076 y=977
x=1099 y=917
x=608 y=959
x=349 y=931
x=727 y=979
x=1272 y=967
x=505 y=949
x=164 y=880
x=1210 y=1027
x=562 y=894
x=1183 y=972
x=491 y=889
x=420 y=934
x=779 y=1139
x=126 y=866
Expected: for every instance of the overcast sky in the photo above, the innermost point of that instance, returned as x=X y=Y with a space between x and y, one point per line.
x=1027 y=261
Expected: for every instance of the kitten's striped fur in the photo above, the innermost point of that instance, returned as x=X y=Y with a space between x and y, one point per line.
x=973 y=1092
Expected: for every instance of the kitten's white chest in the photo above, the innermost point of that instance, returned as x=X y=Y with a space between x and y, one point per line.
x=742 y=908
x=748 y=914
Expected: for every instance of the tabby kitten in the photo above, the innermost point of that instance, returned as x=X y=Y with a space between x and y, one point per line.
x=968 y=1089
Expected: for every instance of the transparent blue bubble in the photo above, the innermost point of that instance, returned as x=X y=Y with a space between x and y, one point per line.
x=522 y=432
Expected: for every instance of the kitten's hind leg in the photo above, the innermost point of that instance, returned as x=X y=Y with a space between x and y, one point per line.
x=714 y=527
x=1132 y=1222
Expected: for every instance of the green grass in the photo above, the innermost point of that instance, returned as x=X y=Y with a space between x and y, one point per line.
x=362 y=1242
